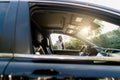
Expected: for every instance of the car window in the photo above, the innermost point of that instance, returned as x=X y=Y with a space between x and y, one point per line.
x=3 y=10
x=70 y=43
x=98 y=29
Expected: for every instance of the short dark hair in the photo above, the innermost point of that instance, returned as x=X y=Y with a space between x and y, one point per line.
x=59 y=36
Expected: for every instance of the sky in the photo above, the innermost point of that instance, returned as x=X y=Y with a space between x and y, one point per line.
x=109 y=3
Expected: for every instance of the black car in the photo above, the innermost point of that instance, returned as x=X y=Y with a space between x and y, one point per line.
x=25 y=29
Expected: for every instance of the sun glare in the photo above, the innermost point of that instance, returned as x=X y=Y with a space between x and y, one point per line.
x=85 y=31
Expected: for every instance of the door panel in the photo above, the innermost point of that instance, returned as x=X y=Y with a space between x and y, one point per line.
x=66 y=52
x=7 y=29
x=31 y=66
x=23 y=41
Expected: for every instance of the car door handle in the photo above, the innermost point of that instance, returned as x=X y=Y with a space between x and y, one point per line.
x=45 y=72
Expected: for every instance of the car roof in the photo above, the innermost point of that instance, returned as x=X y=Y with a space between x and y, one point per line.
x=83 y=2
x=70 y=3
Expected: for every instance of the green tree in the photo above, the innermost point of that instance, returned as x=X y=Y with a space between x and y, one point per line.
x=54 y=46
x=74 y=44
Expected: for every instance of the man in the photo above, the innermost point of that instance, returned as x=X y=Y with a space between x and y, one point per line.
x=59 y=43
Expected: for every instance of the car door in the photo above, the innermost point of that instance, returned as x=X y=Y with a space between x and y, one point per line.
x=28 y=66
x=7 y=29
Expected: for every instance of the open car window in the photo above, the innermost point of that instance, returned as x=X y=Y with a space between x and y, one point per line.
x=102 y=33
x=69 y=42
x=69 y=45
x=98 y=32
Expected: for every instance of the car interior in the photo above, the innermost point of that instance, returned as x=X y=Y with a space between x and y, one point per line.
x=45 y=21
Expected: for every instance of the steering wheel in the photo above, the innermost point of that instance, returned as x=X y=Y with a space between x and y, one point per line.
x=88 y=50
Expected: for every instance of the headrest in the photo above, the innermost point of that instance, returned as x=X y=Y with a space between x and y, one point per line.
x=45 y=42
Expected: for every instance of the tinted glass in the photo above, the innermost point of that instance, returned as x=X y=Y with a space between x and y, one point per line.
x=3 y=10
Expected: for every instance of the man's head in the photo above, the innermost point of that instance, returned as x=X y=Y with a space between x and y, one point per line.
x=60 y=37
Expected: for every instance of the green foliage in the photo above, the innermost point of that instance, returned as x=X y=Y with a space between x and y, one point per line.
x=74 y=44
x=108 y=40
x=55 y=46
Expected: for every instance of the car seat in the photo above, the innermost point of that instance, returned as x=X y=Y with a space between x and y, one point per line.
x=46 y=46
